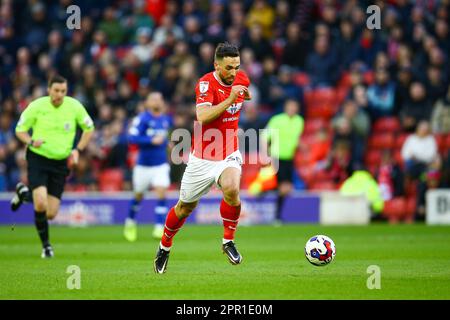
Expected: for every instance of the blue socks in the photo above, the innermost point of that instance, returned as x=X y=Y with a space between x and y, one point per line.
x=160 y=212
x=134 y=208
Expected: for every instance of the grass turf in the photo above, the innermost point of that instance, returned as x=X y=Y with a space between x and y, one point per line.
x=414 y=261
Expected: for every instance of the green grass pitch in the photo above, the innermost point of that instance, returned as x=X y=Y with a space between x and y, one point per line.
x=414 y=261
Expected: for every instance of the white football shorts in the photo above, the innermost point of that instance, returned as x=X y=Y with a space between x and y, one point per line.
x=201 y=174
x=145 y=177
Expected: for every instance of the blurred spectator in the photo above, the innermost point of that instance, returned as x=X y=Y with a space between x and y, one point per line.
x=362 y=182
x=295 y=49
x=110 y=25
x=346 y=135
x=440 y=118
x=261 y=13
x=419 y=150
x=381 y=95
x=284 y=89
x=417 y=107
x=167 y=27
x=145 y=49
x=390 y=177
x=321 y=64
x=255 y=40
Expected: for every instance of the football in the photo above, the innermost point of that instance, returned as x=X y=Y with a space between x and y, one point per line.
x=320 y=250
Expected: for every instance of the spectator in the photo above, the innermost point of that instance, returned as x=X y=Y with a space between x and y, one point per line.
x=295 y=49
x=110 y=25
x=256 y=41
x=390 y=177
x=321 y=64
x=416 y=108
x=362 y=182
x=381 y=96
x=419 y=150
x=440 y=118
x=261 y=13
x=167 y=27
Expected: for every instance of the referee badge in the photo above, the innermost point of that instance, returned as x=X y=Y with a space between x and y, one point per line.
x=67 y=126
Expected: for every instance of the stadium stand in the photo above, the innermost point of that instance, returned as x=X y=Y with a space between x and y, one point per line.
x=127 y=48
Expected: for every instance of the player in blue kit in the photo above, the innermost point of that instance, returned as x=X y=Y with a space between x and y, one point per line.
x=150 y=131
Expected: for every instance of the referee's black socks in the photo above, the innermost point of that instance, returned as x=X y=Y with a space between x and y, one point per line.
x=41 y=223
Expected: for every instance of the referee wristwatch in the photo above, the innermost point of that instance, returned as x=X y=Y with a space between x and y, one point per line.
x=30 y=144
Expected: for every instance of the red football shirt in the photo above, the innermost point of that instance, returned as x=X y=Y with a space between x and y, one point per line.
x=218 y=138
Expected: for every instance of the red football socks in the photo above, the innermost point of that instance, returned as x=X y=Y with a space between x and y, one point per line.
x=230 y=217
x=171 y=227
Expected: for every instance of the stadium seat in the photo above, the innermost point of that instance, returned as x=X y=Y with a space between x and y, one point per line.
x=324 y=111
x=323 y=185
x=373 y=157
x=301 y=79
x=400 y=140
x=441 y=143
x=111 y=180
x=387 y=124
x=313 y=125
x=345 y=81
x=395 y=209
x=398 y=157
x=382 y=141
x=369 y=77
x=447 y=143
x=341 y=94
x=411 y=208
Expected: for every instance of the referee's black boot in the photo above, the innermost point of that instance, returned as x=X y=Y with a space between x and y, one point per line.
x=22 y=192
x=232 y=253
x=47 y=252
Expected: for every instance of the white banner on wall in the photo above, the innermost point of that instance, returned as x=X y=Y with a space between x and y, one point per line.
x=438 y=206
x=338 y=209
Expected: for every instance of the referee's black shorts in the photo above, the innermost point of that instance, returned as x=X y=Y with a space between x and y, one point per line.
x=45 y=172
x=285 y=171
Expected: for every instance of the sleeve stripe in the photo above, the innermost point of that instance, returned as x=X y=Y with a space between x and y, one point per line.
x=203 y=104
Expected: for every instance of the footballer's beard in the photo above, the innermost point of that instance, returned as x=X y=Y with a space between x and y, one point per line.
x=228 y=80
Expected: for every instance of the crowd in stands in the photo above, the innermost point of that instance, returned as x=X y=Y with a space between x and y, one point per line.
x=373 y=97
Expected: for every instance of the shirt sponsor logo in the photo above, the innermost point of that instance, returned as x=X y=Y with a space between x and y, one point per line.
x=234 y=108
x=203 y=86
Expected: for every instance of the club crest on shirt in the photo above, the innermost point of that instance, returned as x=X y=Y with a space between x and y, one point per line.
x=203 y=86
x=234 y=108
x=67 y=126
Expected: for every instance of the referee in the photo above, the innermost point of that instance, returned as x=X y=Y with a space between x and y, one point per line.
x=53 y=120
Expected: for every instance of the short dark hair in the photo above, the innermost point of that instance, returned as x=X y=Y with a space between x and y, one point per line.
x=226 y=49
x=56 y=79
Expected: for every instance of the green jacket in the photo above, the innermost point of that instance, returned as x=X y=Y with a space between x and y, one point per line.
x=362 y=182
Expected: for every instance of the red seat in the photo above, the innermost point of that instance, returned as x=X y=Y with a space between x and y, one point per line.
x=440 y=141
x=369 y=77
x=313 y=125
x=387 y=124
x=373 y=157
x=382 y=141
x=395 y=209
x=324 y=111
x=301 y=79
x=323 y=185
x=400 y=140
x=111 y=180
x=447 y=143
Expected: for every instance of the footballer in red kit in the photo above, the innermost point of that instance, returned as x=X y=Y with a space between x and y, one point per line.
x=215 y=157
